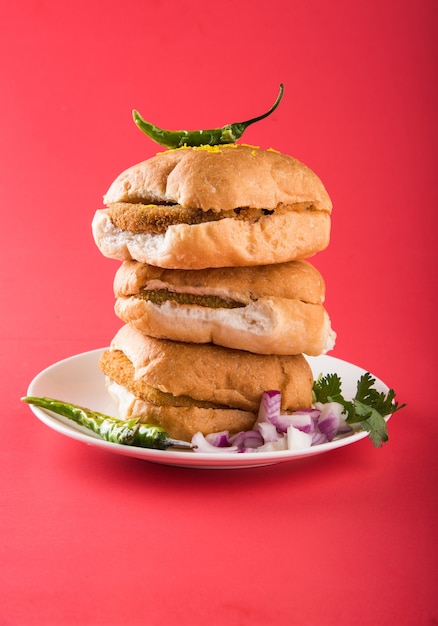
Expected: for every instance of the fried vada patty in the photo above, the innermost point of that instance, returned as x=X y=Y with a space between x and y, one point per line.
x=156 y=218
x=159 y=296
x=272 y=309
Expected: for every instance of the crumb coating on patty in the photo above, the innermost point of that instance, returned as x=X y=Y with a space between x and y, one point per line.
x=156 y=218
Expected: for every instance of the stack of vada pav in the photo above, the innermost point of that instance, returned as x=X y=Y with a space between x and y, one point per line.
x=218 y=301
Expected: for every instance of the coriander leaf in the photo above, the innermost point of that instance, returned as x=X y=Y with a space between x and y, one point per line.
x=371 y=407
x=374 y=423
x=328 y=389
x=368 y=395
x=384 y=404
x=368 y=408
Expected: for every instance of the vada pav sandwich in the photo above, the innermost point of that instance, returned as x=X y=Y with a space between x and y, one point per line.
x=214 y=206
x=271 y=309
x=187 y=388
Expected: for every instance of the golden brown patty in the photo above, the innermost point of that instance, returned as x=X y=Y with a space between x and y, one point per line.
x=156 y=218
x=159 y=296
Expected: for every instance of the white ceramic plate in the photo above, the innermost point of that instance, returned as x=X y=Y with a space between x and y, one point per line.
x=78 y=380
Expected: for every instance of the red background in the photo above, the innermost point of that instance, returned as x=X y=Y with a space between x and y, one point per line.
x=345 y=538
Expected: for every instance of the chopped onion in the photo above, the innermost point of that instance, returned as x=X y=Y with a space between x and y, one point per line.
x=247 y=439
x=202 y=445
x=268 y=431
x=270 y=405
x=302 y=421
x=297 y=439
x=331 y=419
x=274 y=446
x=220 y=440
x=318 y=438
x=274 y=431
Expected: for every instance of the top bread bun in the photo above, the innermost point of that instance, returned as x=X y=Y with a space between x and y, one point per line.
x=220 y=178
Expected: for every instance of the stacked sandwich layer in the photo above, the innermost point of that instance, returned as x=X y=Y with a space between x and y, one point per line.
x=218 y=302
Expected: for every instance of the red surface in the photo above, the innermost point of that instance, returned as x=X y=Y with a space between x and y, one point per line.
x=345 y=538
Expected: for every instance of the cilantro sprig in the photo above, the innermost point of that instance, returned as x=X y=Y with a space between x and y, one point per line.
x=369 y=407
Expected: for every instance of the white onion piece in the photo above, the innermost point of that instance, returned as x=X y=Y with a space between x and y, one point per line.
x=268 y=431
x=274 y=446
x=297 y=439
x=302 y=421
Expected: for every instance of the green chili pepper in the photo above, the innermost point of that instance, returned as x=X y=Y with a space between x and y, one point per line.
x=126 y=432
x=216 y=136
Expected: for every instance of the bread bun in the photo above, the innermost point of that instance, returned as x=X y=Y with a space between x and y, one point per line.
x=273 y=309
x=201 y=387
x=220 y=178
x=241 y=206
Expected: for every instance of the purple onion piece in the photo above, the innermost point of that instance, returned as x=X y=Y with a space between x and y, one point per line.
x=313 y=413
x=270 y=405
x=248 y=439
x=301 y=420
x=331 y=419
x=220 y=440
x=202 y=445
x=318 y=438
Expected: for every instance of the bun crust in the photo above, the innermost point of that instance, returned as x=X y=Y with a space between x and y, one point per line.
x=276 y=238
x=281 y=310
x=296 y=280
x=292 y=220
x=206 y=373
x=220 y=178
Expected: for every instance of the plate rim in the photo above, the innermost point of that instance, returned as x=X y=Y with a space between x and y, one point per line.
x=181 y=458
